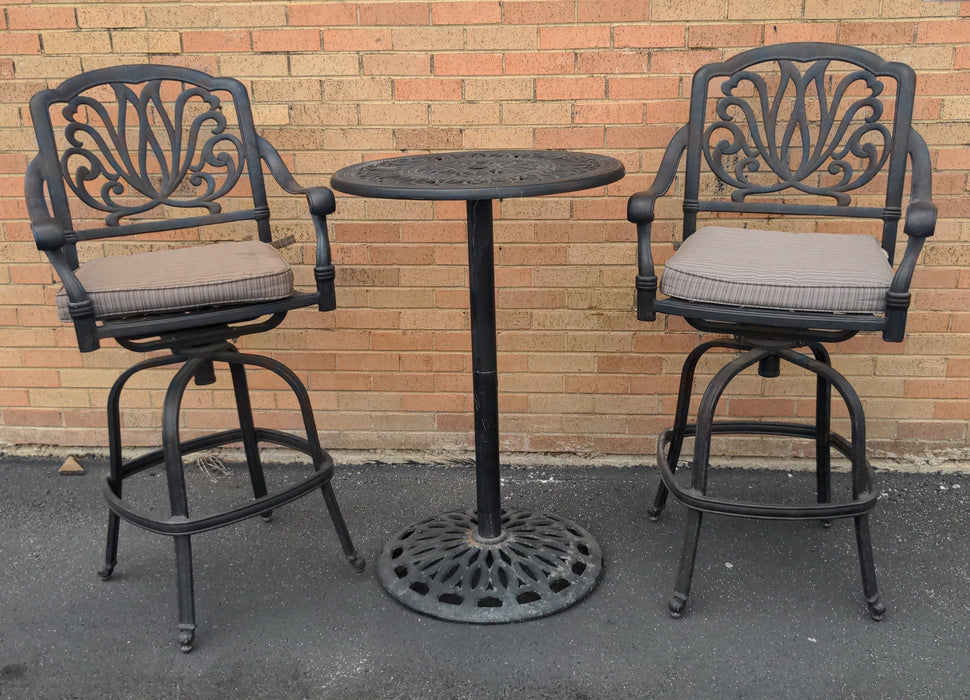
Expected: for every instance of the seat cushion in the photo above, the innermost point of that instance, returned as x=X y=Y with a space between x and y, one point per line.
x=780 y=270
x=179 y=279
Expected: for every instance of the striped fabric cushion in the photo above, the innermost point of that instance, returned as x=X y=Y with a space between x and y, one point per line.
x=780 y=270
x=164 y=281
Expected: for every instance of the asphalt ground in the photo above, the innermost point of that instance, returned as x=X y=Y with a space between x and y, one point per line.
x=776 y=609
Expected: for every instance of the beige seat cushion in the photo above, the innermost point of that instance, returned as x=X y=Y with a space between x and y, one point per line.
x=179 y=279
x=779 y=270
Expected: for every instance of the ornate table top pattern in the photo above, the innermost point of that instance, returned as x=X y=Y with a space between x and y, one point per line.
x=475 y=175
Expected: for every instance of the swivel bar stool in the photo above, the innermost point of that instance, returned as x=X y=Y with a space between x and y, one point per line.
x=781 y=141
x=127 y=153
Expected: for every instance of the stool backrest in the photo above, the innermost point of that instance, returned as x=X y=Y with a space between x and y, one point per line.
x=146 y=148
x=805 y=128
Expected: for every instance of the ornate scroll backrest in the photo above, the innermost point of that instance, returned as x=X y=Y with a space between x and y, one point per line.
x=811 y=129
x=135 y=149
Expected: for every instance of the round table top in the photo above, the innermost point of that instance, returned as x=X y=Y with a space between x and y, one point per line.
x=477 y=175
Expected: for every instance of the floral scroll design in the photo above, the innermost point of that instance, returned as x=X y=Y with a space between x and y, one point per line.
x=150 y=153
x=773 y=132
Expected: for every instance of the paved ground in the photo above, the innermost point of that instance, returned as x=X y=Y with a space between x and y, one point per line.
x=776 y=610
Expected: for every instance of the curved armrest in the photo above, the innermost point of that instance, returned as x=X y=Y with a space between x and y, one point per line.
x=321 y=203
x=641 y=204
x=640 y=210
x=920 y=223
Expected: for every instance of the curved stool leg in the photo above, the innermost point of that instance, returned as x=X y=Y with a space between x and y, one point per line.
x=247 y=427
x=685 y=570
x=115 y=477
x=701 y=461
x=178 y=499
x=823 y=428
x=680 y=418
x=317 y=453
x=860 y=474
x=116 y=464
x=343 y=534
x=877 y=609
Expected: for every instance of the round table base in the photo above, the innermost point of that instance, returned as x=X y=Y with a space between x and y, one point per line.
x=540 y=564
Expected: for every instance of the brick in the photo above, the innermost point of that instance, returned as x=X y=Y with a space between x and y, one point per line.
x=286 y=40
x=396 y=64
x=643 y=37
x=589 y=137
x=464 y=113
x=539 y=12
x=427 y=89
x=20 y=43
x=540 y=63
x=428 y=139
x=216 y=41
x=427 y=39
x=574 y=37
x=369 y=39
x=499 y=89
x=688 y=10
x=468 y=64
x=783 y=32
x=396 y=14
x=712 y=36
x=467 y=12
x=570 y=88
x=114 y=16
x=681 y=61
x=46 y=18
x=504 y=38
x=149 y=42
x=76 y=42
x=395 y=114
x=870 y=32
x=322 y=14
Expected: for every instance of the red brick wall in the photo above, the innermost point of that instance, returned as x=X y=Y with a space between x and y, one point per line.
x=337 y=82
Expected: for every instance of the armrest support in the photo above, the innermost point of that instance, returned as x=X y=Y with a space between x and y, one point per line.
x=321 y=203
x=51 y=238
x=640 y=210
x=920 y=224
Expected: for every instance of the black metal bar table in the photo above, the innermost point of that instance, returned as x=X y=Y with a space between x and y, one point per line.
x=488 y=564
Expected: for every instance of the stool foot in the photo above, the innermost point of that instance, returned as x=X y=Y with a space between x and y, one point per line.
x=357 y=561
x=676 y=604
x=877 y=609
x=104 y=573
x=186 y=637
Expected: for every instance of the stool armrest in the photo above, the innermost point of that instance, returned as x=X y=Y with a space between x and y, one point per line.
x=321 y=203
x=640 y=210
x=920 y=224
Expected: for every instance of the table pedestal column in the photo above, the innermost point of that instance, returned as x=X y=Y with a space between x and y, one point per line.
x=489 y=564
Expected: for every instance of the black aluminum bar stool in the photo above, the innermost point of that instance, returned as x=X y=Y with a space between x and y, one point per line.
x=780 y=140
x=144 y=149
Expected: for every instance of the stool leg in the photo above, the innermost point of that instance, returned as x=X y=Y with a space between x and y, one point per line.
x=860 y=476
x=248 y=429
x=186 y=591
x=680 y=423
x=877 y=608
x=685 y=571
x=115 y=475
x=316 y=452
x=178 y=499
x=699 y=468
x=343 y=534
x=823 y=428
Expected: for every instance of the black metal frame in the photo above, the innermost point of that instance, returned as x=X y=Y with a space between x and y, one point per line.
x=768 y=336
x=159 y=169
